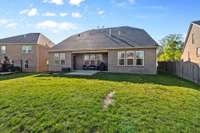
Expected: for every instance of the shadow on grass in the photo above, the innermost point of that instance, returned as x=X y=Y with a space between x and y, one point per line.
x=159 y=79
x=14 y=76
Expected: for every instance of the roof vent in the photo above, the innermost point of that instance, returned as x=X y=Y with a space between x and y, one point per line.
x=24 y=36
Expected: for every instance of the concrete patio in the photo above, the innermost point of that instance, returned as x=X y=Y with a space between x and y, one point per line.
x=82 y=73
x=5 y=73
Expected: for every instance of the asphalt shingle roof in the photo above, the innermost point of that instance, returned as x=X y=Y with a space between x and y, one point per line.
x=197 y=22
x=120 y=37
x=26 y=38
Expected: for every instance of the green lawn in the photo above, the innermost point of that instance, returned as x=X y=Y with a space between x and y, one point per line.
x=46 y=103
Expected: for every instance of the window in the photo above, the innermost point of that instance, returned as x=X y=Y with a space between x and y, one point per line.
x=47 y=62
x=139 y=58
x=27 y=49
x=87 y=59
x=121 y=58
x=131 y=58
x=59 y=58
x=93 y=59
x=26 y=64
x=198 y=51
x=62 y=58
x=56 y=55
x=99 y=58
x=3 y=49
x=193 y=38
x=56 y=58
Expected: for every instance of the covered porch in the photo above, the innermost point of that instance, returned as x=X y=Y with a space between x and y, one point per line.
x=97 y=60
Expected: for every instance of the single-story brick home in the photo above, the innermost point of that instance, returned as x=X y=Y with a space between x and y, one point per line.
x=191 y=50
x=119 y=49
x=28 y=51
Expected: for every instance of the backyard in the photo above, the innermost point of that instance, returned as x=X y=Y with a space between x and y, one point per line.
x=56 y=103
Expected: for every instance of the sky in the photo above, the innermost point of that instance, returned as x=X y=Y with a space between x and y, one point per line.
x=59 y=19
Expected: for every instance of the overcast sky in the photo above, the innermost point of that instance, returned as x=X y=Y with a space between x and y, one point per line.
x=58 y=19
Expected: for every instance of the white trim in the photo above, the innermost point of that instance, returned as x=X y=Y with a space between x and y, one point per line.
x=101 y=49
x=125 y=62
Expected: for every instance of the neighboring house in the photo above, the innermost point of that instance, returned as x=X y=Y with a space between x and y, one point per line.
x=29 y=51
x=191 y=50
x=121 y=49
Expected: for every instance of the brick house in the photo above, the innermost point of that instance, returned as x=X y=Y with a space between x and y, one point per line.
x=191 y=51
x=121 y=49
x=28 y=51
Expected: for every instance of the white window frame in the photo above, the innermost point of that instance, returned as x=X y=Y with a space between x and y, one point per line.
x=119 y=57
x=133 y=58
x=126 y=58
x=97 y=58
x=198 y=52
x=3 y=49
x=62 y=59
x=139 y=58
x=27 y=49
x=56 y=59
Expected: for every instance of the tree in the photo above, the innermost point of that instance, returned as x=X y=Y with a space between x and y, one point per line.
x=171 y=48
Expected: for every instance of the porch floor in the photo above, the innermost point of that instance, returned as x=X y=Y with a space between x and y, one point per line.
x=82 y=73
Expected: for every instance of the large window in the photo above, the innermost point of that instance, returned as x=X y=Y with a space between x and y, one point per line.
x=121 y=58
x=198 y=52
x=130 y=55
x=93 y=59
x=27 y=49
x=26 y=64
x=131 y=58
x=62 y=58
x=59 y=58
x=3 y=49
x=139 y=58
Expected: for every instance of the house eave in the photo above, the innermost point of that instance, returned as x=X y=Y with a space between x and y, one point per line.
x=18 y=43
x=100 y=49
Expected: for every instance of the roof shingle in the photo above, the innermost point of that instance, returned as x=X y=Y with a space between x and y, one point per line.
x=197 y=22
x=26 y=38
x=120 y=37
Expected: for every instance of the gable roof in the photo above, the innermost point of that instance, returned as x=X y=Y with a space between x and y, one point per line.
x=188 y=33
x=30 y=38
x=107 y=38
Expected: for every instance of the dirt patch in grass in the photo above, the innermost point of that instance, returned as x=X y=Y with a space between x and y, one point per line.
x=108 y=100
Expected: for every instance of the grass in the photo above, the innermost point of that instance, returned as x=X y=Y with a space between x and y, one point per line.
x=142 y=103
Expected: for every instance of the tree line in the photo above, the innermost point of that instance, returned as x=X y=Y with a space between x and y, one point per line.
x=170 y=48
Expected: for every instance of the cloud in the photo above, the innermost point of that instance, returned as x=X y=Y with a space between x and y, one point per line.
x=29 y=12
x=57 y=2
x=101 y=12
x=7 y=23
x=123 y=2
x=56 y=26
x=63 y=14
x=76 y=2
x=76 y=15
x=49 y=14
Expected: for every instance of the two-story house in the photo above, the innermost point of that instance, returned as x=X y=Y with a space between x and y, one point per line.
x=28 y=51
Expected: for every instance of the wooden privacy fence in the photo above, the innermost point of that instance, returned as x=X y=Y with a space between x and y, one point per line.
x=185 y=70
